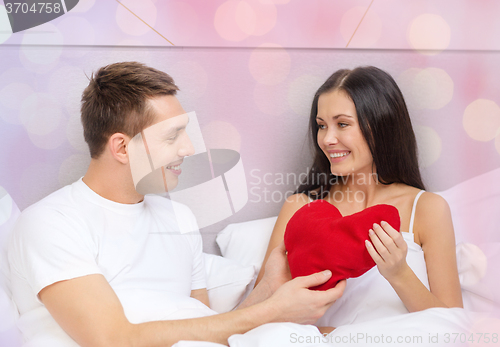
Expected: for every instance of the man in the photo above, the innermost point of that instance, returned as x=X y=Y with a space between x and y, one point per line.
x=98 y=264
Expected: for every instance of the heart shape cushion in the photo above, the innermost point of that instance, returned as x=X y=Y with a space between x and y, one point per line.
x=318 y=237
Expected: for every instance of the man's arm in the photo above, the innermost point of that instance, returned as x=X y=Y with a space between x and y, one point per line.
x=88 y=309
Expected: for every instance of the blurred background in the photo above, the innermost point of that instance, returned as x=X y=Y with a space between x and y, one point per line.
x=249 y=69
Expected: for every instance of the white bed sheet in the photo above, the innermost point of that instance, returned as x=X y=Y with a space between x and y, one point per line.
x=432 y=327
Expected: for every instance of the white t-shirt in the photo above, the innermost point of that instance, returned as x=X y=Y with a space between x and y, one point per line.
x=141 y=249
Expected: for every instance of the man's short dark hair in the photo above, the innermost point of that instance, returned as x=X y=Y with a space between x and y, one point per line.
x=116 y=101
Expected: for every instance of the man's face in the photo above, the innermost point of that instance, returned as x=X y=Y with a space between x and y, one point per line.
x=166 y=144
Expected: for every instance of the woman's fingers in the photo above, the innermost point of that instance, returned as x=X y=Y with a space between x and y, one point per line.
x=385 y=238
x=394 y=234
x=373 y=253
x=378 y=244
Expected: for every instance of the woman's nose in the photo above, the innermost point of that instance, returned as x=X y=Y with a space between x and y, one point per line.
x=330 y=138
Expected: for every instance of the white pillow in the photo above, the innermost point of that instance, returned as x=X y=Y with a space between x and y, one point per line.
x=474 y=208
x=227 y=282
x=246 y=243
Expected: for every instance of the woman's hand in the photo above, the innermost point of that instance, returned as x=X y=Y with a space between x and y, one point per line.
x=388 y=249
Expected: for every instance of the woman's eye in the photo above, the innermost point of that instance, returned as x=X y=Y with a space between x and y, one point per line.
x=321 y=126
x=343 y=125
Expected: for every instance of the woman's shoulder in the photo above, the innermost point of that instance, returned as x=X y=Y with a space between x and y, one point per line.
x=410 y=193
x=292 y=204
x=296 y=200
x=431 y=204
x=432 y=214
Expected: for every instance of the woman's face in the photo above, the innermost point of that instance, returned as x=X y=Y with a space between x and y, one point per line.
x=340 y=137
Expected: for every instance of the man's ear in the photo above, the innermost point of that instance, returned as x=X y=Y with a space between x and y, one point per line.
x=118 y=146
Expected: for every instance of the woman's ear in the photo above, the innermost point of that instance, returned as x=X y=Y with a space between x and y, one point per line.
x=118 y=146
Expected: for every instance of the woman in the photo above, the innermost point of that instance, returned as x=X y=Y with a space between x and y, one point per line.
x=365 y=154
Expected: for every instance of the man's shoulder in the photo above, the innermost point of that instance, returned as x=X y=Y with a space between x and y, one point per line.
x=49 y=220
x=59 y=201
x=58 y=208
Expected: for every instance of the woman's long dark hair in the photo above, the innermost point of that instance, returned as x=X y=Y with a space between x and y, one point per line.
x=385 y=124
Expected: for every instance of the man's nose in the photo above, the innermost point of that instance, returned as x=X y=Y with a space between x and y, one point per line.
x=186 y=146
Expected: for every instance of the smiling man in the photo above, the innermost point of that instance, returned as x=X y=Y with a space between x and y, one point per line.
x=98 y=264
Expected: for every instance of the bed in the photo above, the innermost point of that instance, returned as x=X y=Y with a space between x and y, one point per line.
x=231 y=276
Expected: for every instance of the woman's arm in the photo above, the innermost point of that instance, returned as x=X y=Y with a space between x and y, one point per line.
x=434 y=227
x=291 y=205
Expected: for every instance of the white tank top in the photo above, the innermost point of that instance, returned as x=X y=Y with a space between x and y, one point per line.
x=370 y=296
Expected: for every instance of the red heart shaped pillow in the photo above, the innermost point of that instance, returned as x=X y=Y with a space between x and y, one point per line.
x=318 y=238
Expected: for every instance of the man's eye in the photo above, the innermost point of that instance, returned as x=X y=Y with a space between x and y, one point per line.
x=173 y=138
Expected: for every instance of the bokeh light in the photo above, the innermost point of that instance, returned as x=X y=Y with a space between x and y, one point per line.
x=47 y=35
x=37 y=181
x=429 y=145
x=271 y=100
x=40 y=114
x=83 y=6
x=265 y=17
x=429 y=32
x=72 y=168
x=434 y=88
x=481 y=119
x=130 y=24
x=275 y=2
x=270 y=64
x=190 y=76
x=180 y=21
x=234 y=20
x=49 y=141
x=44 y=121
x=13 y=95
x=301 y=93
x=245 y=17
x=429 y=88
x=66 y=85
x=369 y=31
x=74 y=134
x=497 y=141
x=76 y=31
x=219 y=134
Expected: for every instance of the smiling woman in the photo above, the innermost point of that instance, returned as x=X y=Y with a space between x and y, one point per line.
x=365 y=103
x=364 y=147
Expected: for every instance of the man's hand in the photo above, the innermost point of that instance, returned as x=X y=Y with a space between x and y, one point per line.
x=291 y=299
x=296 y=303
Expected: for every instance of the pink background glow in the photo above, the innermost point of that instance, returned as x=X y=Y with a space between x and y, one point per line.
x=249 y=69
